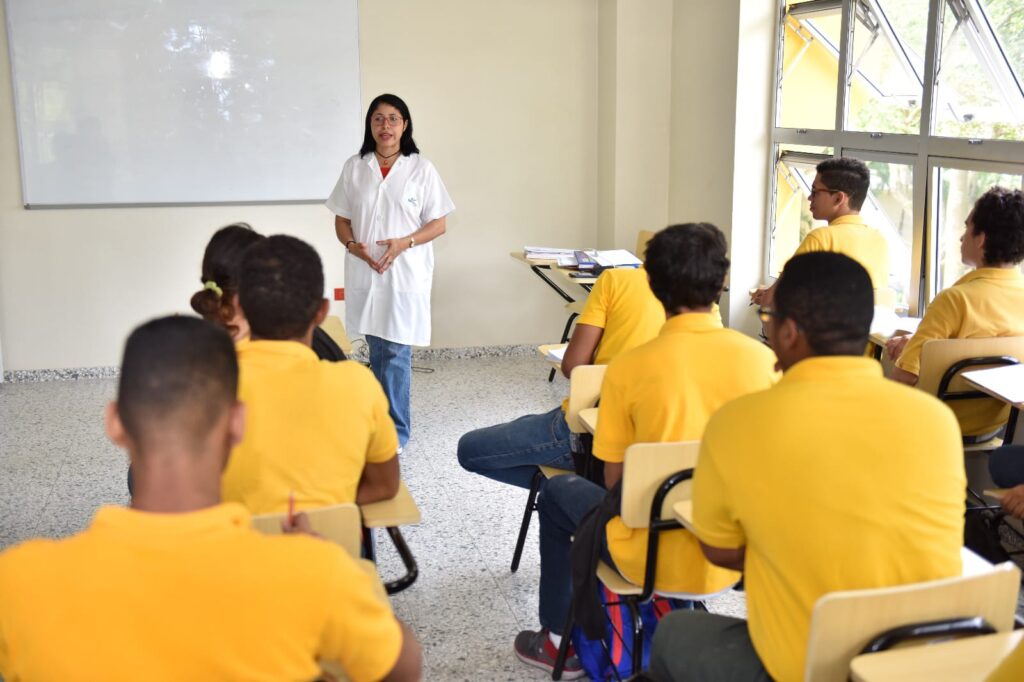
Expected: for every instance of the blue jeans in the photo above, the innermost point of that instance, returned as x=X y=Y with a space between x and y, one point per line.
x=511 y=453
x=562 y=504
x=391 y=363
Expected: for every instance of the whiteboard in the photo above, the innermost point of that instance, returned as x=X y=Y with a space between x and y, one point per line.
x=183 y=101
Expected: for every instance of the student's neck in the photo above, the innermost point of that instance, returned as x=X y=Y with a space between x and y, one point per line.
x=306 y=340
x=175 y=484
x=842 y=213
x=682 y=310
x=1000 y=266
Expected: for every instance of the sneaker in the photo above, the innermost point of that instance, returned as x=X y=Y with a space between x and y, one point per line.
x=535 y=648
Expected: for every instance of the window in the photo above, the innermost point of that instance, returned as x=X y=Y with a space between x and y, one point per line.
x=929 y=94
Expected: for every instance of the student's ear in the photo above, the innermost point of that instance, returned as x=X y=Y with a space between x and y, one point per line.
x=321 y=313
x=236 y=423
x=114 y=426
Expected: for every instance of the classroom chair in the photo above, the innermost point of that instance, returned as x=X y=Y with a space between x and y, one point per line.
x=584 y=390
x=972 y=659
x=401 y=510
x=334 y=328
x=642 y=237
x=575 y=308
x=847 y=624
x=338 y=523
x=655 y=477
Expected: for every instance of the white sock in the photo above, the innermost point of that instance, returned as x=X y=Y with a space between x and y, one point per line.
x=555 y=639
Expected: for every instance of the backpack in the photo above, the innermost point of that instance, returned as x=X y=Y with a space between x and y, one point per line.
x=325 y=347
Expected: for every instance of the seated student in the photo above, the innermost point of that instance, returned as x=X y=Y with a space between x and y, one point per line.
x=217 y=301
x=838 y=192
x=178 y=586
x=663 y=390
x=318 y=430
x=803 y=487
x=620 y=314
x=986 y=302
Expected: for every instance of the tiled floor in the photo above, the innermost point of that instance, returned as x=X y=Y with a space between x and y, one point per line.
x=56 y=468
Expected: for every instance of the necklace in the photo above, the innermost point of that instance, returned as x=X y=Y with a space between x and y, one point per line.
x=386 y=160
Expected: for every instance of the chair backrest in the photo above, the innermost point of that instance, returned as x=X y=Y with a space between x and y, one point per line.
x=939 y=354
x=339 y=523
x=843 y=623
x=334 y=327
x=644 y=469
x=642 y=238
x=584 y=390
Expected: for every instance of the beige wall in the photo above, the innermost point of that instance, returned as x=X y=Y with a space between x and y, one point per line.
x=575 y=122
x=502 y=94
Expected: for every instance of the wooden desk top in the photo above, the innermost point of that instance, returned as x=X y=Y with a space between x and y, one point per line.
x=544 y=349
x=1002 y=383
x=588 y=418
x=962 y=660
x=683 y=511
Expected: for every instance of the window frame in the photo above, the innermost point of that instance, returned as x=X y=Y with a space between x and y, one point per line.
x=923 y=147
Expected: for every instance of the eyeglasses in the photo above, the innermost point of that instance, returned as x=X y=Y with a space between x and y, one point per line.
x=815 y=190
x=379 y=119
x=764 y=314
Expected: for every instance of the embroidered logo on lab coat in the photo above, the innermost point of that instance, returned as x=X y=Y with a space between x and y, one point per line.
x=414 y=201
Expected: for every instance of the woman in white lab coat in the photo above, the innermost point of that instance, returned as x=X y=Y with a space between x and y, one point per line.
x=389 y=204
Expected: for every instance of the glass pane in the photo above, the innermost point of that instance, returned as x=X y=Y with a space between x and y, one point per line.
x=957 y=191
x=810 y=70
x=890 y=209
x=979 y=92
x=888 y=63
x=792 y=210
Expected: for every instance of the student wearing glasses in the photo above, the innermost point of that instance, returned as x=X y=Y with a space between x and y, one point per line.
x=837 y=195
x=793 y=487
x=986 y=302
x=389 y=204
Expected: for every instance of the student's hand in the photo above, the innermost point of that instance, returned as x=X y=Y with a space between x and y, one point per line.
x=757 y=295
x=395 y=248
x=299 y=524
x=362 y=252
x=1013 y=501
x=894 y=346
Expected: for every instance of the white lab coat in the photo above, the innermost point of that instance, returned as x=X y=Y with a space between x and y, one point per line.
x=395 y=305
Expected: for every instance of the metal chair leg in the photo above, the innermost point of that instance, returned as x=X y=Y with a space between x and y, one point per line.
x=638 y=636
x=369 y=551
x=412 y=571
x=563 y=648
x=531 y=505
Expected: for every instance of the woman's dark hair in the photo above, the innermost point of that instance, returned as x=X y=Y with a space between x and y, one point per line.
x=999 y=215
x=830 y=298
x=406 y=145
x=847 y=175
x=686 y=265
x=221 y=264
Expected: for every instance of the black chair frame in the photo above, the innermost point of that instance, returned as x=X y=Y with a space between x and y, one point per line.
x=658 y=525
x=412 y=571
x=946 y=628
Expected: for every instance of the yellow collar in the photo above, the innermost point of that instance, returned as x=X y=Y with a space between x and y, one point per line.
x=991 y=273
x=291 y=349
x=850 y=219
x=832 y=368
x=691 y=323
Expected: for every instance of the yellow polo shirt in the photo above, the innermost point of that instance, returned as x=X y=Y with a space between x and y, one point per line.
x=851 y=236
x=984 y=303
x=662 y=391
x=623 y=305
x=194 y=596
x=311 y=426
x=828 y=488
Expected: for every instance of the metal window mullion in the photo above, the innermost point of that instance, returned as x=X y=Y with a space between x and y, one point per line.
x=845 y=60
x=780 y=36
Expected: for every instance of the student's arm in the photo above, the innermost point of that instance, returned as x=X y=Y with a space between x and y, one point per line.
x=379 y=481
x=726 y=558
x=409 y=666
x=1013 y=501
x=612 y=474
x=582 y=347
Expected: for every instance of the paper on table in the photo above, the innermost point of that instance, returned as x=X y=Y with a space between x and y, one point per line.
x=547 y=253
x=617 y=258
x=557 y=354
x=1007 y=382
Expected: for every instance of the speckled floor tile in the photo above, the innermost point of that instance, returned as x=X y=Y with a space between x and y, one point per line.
x=56 y=469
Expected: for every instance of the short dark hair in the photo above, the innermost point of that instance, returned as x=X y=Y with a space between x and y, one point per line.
x=281 y=287
x=178 y=374
x=686 y=265
x=221 y=262
x=999 y=215
x=846 y=175
x=830 y=298
x=406 y=145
